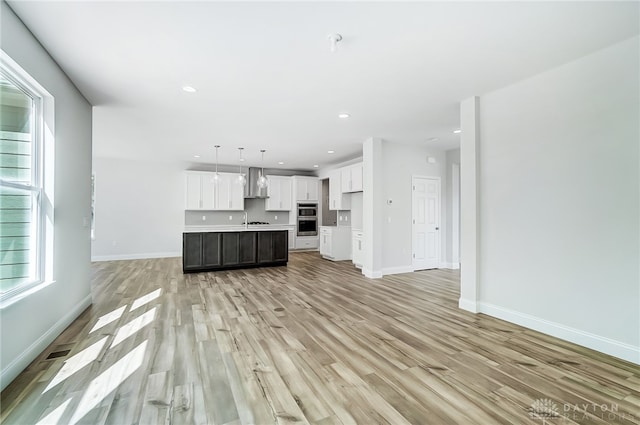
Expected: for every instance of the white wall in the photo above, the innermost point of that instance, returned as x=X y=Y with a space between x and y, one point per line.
x=399 y=163
x=31 y=324
x=449 y=192
x=559 y=201
x=356 y=210
x=139 y=209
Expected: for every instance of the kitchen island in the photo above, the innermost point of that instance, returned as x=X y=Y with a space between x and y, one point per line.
x=233 y=247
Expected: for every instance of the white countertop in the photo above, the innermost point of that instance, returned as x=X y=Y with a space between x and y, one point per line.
x=238 y=228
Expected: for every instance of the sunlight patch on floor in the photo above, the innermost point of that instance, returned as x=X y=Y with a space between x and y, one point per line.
x=134 y=326
x=77 y=362
x=109 y=380
x=146 y=299
x=53 y=418
x=108 y=318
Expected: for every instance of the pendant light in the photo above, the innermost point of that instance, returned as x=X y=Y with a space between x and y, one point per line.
x=242 y=180
x=262 y=180
x=216 y=176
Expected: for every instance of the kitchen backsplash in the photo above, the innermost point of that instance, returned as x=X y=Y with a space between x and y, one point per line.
x=344 y=218
x=253 y=207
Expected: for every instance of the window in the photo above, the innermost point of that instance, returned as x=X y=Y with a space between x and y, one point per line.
x=23 y=222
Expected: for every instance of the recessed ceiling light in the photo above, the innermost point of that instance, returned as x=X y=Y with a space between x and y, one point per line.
x=343 y=115
x=432 y=139
x=241 y=159
x=189 y=89
x=280 y=162
x=196 y=156
x=331 y=151
x=316 y=166
x=457 y=131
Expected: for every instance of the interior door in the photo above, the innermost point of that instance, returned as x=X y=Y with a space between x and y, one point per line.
x=426 y=223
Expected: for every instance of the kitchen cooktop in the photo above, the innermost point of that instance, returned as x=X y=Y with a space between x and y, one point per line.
x=258 y=222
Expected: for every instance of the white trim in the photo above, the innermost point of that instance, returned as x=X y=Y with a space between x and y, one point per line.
x=41 y=185
x=452 y=266
x=455 y=213
x=135 y=256
x=371 y=274
x=25 y=291
x=586 y=339
x=17 y=365
x=468 y=305
x=398 y=270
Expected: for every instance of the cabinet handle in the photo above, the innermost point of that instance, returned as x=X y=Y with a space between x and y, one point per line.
x=359 y=245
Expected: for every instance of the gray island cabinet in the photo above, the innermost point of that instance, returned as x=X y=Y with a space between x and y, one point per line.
x=210 y=251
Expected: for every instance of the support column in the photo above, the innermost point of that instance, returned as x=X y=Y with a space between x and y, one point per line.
x=372 y=207
x=469 y=204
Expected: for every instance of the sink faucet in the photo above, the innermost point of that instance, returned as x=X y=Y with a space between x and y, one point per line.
x=246 y=220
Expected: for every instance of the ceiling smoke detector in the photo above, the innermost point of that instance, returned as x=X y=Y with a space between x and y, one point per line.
x=334 y=39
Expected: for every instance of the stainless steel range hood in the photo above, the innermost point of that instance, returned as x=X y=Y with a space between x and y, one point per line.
x=251 y=189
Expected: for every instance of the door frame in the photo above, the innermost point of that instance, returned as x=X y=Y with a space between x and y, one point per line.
x=455 y=215
x=438 y=179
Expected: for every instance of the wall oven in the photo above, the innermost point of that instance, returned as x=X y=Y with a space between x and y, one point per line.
x=307 y=223
x=308 y=210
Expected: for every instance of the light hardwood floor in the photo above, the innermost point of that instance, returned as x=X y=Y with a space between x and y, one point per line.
x=314 y=342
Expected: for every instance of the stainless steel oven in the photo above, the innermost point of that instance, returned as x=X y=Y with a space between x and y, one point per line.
x=307 y=226
x=307 y=210
x=307 y=220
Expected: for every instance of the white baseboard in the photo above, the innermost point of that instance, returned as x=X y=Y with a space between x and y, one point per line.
x=452 y=266
x=397 y=270
x=586 y=339
x=371 y=274
x=135 y=256
x=23 y=360
x=468 y=305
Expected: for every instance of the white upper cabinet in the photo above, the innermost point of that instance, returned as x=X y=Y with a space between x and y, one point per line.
x=203 y=192
x=230 y=193
x=306 y=188
x=351 y=178
x=193 y=191
x=279 y=192
x=337 y=199
x=209 y=191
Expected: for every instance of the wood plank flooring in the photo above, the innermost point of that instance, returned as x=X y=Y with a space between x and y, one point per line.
x=314 y=342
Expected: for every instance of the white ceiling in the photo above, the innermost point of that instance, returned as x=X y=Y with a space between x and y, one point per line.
x=266 y=78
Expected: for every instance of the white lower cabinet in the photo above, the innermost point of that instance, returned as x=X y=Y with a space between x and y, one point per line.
x=335 y=243
x=306 y=242
x=356 y=248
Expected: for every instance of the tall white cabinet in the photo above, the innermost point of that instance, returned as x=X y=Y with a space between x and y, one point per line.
x=337 y=200
x=351 y=178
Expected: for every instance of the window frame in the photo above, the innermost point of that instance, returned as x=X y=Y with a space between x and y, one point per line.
x=39 y=258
